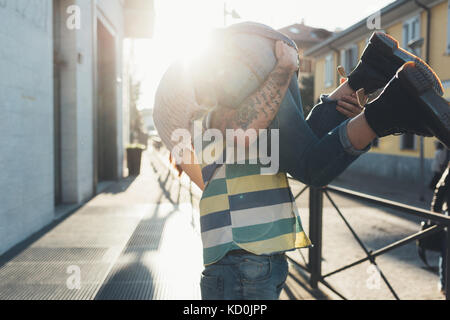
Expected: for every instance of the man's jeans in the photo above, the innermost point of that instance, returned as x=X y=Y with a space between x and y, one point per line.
x=245 y=276
x=316 y=150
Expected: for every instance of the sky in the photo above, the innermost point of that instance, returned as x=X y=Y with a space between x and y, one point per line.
x=182 y=25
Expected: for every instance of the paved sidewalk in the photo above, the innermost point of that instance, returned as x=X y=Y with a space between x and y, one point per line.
x=391 y=189
x=139 y=239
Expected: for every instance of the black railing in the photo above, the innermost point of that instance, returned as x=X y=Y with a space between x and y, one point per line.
x=314 y=266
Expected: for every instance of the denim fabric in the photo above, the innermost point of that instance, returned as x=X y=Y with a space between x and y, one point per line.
x=317 y=150
x=245 y=276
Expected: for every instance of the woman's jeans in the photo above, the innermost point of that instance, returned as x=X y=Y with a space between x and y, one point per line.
x=245 y=276
x=317 y=150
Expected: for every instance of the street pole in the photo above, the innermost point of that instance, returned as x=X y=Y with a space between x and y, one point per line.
x=315 y=232
x=422 y=169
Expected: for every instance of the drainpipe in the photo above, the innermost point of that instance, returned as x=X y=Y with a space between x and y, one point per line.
x=427 y=60
x=428 y=10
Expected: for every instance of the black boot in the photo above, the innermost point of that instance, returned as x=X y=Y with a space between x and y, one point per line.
x=380 y=61
x=409 y=104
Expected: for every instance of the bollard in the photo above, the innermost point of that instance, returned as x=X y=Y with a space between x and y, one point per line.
x=315 y=233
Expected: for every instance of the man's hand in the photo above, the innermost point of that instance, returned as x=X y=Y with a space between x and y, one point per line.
x=287 y=56
x=348 y=106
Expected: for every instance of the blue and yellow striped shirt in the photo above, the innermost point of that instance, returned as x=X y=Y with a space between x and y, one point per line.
x=242 y=209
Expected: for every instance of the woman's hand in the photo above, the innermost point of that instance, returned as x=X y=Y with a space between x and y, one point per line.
x=348 y=105
x=287 y=56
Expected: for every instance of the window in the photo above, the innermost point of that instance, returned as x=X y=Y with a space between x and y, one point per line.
x=408 y=142
x=448 y=28
x=411 y=32
x=329 y=70
x=349 y=58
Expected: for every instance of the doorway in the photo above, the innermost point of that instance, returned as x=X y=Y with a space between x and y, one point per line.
x=106 y=112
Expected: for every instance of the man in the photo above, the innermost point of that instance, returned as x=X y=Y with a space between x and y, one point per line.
x=249 y=220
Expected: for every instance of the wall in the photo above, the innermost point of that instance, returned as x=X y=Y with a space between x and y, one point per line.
x=388 y=159
x=27 y=134
x=319 y=79
x=26 y=123
x=404 y=168
x=439 y=60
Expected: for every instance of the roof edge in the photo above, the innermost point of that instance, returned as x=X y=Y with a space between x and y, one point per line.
x=394 y=5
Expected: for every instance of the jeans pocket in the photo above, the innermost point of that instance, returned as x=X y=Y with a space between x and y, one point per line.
x=211 y=287
x=280 y=272
x=255 y=269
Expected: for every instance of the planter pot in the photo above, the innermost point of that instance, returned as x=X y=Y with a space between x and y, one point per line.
x=134 y=156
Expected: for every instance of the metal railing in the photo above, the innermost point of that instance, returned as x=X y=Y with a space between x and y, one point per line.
x=314 y=265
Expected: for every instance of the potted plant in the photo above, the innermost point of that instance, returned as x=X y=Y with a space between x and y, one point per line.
x=134 y=155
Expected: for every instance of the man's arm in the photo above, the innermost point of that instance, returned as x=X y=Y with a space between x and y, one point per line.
x=259 y=109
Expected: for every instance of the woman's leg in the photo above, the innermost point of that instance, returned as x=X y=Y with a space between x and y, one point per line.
x=409 y=103
x=324 y=117
x=316 y=159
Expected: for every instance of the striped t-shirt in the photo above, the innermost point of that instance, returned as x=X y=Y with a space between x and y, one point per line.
x=242 y=209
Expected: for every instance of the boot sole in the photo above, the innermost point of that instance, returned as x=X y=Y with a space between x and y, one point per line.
x=436 y=110
x=390 y=48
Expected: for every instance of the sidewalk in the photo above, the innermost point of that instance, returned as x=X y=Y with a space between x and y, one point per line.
x=391 y=189
x=139 y=239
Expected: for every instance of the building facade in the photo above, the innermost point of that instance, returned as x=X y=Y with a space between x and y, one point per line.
x=305 y=37
x=425 y=23
x=63 y=103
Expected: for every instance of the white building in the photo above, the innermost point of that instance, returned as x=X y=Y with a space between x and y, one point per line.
x=64 y=104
